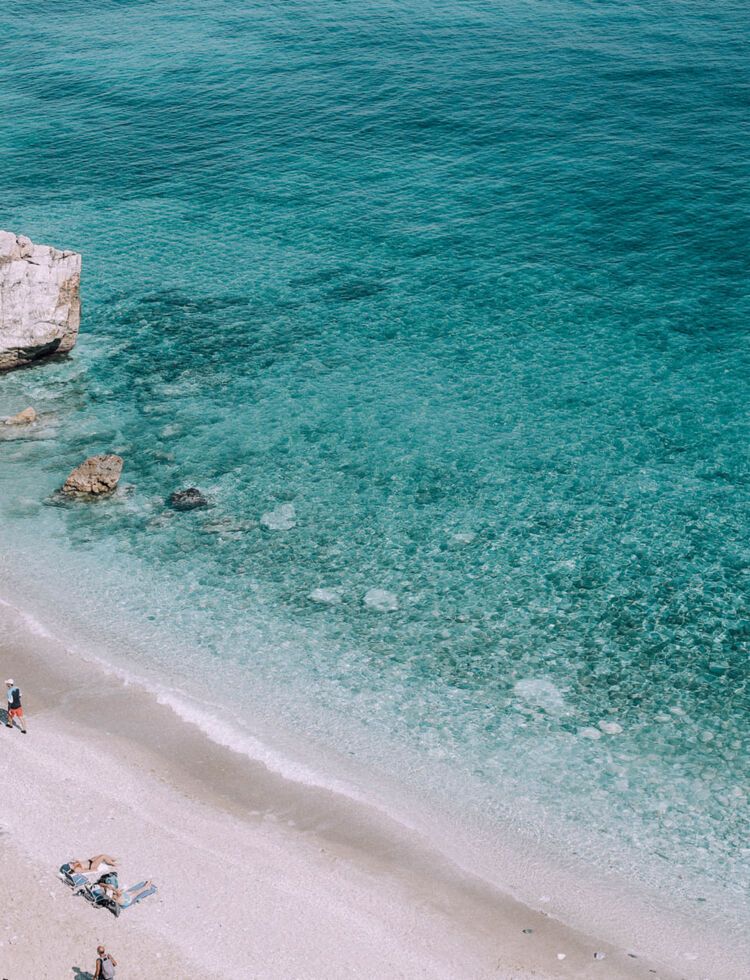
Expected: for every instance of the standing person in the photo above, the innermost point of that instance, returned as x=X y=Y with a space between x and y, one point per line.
x=105 y=965
x=14 y=705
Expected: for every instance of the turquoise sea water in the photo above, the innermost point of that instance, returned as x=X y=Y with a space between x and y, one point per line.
x=462 y=289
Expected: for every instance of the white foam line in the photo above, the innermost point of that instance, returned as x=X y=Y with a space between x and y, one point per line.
x=33 y=625
x=232 y=738
x=203 y=717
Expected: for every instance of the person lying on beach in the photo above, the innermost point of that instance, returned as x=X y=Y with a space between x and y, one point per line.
x=93 y=864
x=120 y=896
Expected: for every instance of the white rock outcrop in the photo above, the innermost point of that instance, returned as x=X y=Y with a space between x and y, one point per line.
x=40 y=305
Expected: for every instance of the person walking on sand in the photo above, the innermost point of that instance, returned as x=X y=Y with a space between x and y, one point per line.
x=14 y=705
x=105 y=965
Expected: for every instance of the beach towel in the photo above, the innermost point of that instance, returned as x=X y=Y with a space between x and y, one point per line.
x=98 y=896
x=129 y=894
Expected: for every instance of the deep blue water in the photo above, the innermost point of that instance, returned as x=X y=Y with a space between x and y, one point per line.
x=466 y=285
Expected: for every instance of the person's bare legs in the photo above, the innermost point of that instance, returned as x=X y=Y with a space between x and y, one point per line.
x=124 y=900
x=146 y=885
x=93 y=863
x=98 y=859
x=103 y=859
x=11 y=722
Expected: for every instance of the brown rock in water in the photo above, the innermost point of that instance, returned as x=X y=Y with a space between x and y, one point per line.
x=23 y=418
x=98 y=475
x=187 y=499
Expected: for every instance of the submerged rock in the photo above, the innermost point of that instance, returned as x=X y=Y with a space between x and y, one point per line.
x=464 y=537
x=97 y=475
x=229 y=526
x=381 y=599
x=283 y=518
x=330 y=597
x=542 y=693
x=593 y=733
x=25 y=417
x=610 y=727
x=188 y=499
x=40 y=306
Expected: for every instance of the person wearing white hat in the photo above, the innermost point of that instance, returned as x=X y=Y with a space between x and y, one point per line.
x=14 y=705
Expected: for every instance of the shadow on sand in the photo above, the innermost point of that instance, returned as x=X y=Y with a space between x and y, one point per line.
x=4 y=719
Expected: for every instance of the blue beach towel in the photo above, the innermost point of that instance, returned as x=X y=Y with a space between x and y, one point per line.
x=129 y=892
x=97 y=896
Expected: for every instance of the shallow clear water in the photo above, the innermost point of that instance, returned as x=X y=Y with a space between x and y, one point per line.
x=464 y=283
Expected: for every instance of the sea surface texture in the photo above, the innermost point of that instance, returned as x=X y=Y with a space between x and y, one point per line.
x=444 y=306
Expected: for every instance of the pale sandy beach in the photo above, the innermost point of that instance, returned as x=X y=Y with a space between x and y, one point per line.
x=374 y=507
x=257 y=877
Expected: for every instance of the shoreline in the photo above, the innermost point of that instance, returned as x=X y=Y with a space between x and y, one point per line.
x=437 y=315
x=340 y=848
x=522 y=848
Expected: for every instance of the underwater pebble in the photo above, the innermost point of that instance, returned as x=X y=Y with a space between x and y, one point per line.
x=329 y=596
x=464 y=537
x=561 y=956
x=283 y=518
x=381 y=600
x=540 y=692
x=610 y=727
x=591 y=733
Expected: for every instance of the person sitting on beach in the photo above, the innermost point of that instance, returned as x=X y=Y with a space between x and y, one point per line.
x=119 y=895
x=14 y=705
x=92 y=864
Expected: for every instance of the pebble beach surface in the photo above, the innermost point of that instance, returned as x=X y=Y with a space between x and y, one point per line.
x=257 y=877
x=420 y=329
